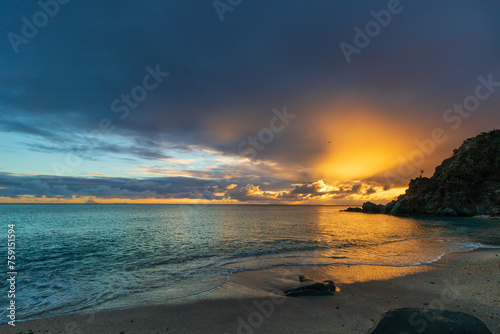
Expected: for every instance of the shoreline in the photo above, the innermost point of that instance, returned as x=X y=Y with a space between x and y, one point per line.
x=277 y=270
x=250 y=301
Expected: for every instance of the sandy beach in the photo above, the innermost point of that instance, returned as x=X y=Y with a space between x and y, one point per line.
x=251 y=303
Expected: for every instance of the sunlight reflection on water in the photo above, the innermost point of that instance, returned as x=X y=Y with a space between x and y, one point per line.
x=74 y=257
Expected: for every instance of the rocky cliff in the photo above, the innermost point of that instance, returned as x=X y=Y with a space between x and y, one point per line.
x=466 y=184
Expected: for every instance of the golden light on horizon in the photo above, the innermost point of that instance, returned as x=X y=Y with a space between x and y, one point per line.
x=359 y=145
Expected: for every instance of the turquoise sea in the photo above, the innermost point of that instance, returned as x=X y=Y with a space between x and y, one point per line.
x=80 y=257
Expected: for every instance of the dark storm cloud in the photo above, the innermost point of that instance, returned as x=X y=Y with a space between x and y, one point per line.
x=14 y=186
x=58 y=139
x=91 y=152
x=102 y=187
x=241 y=189
x=316 y=189
x=265 y=54
x=19 y=127
x=250 y=192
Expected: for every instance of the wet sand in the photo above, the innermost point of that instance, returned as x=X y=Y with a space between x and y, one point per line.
x=251 y=302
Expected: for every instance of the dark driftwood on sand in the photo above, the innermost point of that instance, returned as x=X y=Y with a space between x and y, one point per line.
x=327 y=288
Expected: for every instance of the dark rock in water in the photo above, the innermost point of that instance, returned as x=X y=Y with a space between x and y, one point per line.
x=353 y=210
x=447 y=212
x=317 y=289
x=400 y=209
x=466 y=184
x=388 y=208
x=433 y=321
x=370 y=207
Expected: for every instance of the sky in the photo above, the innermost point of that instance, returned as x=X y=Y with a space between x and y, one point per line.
x=239 y=101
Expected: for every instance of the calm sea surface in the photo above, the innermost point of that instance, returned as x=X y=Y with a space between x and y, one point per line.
x=77 y=257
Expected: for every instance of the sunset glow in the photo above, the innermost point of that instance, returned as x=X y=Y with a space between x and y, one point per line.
x=355 y=153
x=239 y=120
x=230 y=166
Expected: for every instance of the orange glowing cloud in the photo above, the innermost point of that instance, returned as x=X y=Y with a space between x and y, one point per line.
x=359 y=144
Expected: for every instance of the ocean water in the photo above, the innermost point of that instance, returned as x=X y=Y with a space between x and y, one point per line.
x=80 y=257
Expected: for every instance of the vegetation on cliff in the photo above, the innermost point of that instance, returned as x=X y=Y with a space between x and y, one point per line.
x=466 y=184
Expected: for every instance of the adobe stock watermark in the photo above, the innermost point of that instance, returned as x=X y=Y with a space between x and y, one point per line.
x=448 y=295
x=249 y=149
x=372 y=29
x=83 y=318
x=139 y=93
x=121 y=105
x=265 y=308
x=223 y=6
x=265 y=136
x=30 y=28
x=453 y=116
